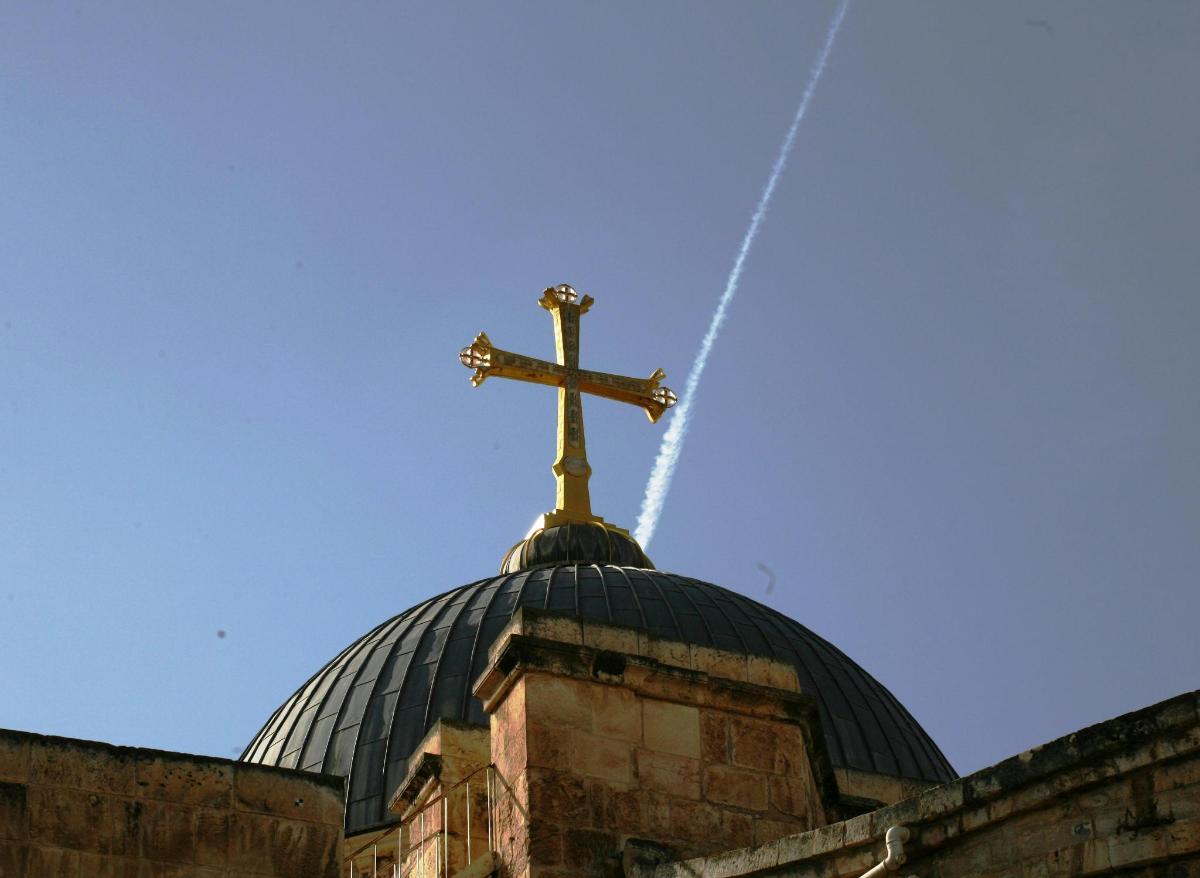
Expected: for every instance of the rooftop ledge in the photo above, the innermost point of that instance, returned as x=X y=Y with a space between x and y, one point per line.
x=1026 y=782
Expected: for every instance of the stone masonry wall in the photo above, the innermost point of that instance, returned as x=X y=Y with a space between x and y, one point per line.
x=1121 y=797
x=606 y=734
x=80 y=809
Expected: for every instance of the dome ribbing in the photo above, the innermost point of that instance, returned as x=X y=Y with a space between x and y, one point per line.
x=363 y=713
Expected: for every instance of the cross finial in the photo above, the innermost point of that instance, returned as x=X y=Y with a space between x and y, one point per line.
x=571 y=468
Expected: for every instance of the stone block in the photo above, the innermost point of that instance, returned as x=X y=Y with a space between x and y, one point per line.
x=96 y=768
x=547 y=747
x=212 y=837
x=671 y=728
x=737 y=787
x=795 y=848
x=766 y=830
x=975 y=818
x=65 y=818
x=52 y=862
x=941 y=800
x=669 y=652
x=1183 y=837
x=120 y=832
x=14 y=757
x=854 y=862
x=559 y=795
x=736 y=827
x=92 y=865
x=1179 y=774
x=718 y=663
x=617 y=713
x=755 y=743
x=545 y=843
x=658 y=815
x=788 y=796
x=271 y=846
x=629 y=811
x=604 y=759
x=668 y=773
x=714 y=737
x=1130 y=849
x=558 y=701
x=588 y=849
x=742 y=861
x=168 y=832
x=610 y=637
x=265 y=792
x=171 y=778
x=1182 y=803
x=769 y=672
x=828 y=838
x=696 y=821
x=859 y=829
x=14 y=825
x=14 y=859
x=564 y=629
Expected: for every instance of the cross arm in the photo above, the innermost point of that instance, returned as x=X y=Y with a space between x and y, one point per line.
x=644 y=392
x=488 y=360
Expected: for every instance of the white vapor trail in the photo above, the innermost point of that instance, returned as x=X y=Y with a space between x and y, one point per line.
x=672 y=443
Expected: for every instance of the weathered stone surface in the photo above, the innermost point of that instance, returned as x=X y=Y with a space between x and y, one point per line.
x=755 y=743
x=737 y=787
x=168 y=832
x=1106 y=799
x=605 y=759
x=14 y=858
x=617 y=713
x=671 y=728
x=53 y=862
x=101 y=866
x=560 y=702
x=714 y=737
x=172 y=778
x=695 y=820
x=666 y=773
x=718 y=662
x=587 y=849
x=771 y=672
x=14 y=757
x=212 y=836
x=90 y=809
x=13 y=823
x=560 y=794
x=610 y=637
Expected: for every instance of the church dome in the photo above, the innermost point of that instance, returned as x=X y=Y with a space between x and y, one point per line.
x=362 y=714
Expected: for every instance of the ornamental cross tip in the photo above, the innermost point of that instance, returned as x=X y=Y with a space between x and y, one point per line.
x=571 y=468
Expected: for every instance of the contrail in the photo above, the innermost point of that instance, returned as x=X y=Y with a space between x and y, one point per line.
x=672 y=444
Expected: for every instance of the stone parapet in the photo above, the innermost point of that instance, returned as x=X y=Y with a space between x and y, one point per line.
x=80 y=808
x=1121 y=796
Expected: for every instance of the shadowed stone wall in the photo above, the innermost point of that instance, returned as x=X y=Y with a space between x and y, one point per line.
x=81 y=809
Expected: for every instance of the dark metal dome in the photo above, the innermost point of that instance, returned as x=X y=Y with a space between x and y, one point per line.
x=364 y=712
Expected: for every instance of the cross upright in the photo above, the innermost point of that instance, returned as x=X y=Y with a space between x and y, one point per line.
x=571 y=468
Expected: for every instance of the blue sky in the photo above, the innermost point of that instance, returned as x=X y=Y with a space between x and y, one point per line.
x=954 y=409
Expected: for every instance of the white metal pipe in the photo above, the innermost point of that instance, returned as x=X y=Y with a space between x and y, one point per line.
x=488 y=779
x=468 y=823
x=893 y=840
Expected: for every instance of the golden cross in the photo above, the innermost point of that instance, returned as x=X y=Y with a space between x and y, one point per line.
x=571 y=468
